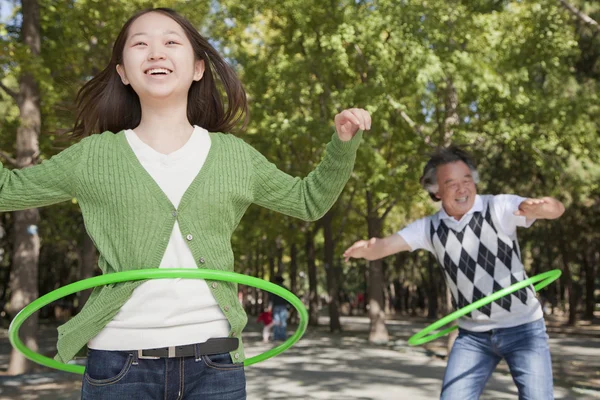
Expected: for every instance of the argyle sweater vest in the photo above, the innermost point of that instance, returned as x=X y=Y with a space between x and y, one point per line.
x=479 y=259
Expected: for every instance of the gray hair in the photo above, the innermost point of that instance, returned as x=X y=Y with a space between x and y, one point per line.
x=441 y=157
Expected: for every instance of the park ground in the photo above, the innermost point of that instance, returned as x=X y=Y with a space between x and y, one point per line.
x=345 y=365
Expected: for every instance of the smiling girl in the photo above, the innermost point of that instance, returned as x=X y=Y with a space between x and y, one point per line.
x=161 y=185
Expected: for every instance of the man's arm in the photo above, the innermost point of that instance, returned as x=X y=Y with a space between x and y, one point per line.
x=376 y=248
x=542 y=208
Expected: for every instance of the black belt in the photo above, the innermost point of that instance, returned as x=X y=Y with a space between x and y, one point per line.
x=211 y=346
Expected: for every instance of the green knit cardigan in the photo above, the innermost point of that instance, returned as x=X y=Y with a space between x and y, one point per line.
x=130 y=219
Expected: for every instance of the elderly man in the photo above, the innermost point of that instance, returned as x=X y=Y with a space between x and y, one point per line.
x=474 y=238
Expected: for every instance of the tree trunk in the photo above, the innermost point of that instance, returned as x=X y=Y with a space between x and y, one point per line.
x=313 y=297
x=4 y=272
x=293 y=278
x=258 y=306
x=264 y=294
x=24 y=283
x=271 y=265
x=294 y=268
x=24 y=277
x=432 y=293
x=399 y=266
x=378 y=333
x=571 y=287
x=279 y=247
x=451 y=118
x=331 y=269
x=590 y=279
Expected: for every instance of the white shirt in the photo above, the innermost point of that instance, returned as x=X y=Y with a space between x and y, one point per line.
x=168 y=312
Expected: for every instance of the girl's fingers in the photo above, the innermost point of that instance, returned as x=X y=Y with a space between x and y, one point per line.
x=366 y=118
x=356 y=116
x=351 y=117
x=359 y=117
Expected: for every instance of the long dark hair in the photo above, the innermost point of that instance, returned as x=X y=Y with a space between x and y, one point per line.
x=106 y=104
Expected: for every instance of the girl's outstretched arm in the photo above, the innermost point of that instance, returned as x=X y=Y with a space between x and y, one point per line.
x=52 y=181
x=311 y=197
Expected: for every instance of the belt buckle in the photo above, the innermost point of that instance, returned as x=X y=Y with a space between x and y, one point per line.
x=141 y=356
x=171 y=354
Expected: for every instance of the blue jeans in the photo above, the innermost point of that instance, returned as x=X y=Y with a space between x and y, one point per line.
x=280 y=315
x=475 y=356
x=113 y=375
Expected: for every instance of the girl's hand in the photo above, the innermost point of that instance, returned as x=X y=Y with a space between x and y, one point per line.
x=350 y=121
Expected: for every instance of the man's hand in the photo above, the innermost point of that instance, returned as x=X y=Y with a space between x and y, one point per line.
x=543 y=208
x=360 y=249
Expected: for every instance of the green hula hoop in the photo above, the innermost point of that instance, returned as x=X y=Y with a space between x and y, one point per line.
x=422 y=336
x=143 y=274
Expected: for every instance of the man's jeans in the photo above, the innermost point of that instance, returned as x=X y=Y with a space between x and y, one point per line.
x=475 y=356
x=114 y=375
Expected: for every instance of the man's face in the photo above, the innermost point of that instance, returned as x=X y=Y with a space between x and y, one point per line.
x=456 y=188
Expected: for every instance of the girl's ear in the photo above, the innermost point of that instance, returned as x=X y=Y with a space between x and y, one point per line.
x=122 y=74
x=199 y=70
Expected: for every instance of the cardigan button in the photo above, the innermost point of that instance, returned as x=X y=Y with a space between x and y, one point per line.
x=237 y=355
x=201 y=260
x=226 y=308
x=174 y=213
x=189 y=237
x=214 y=285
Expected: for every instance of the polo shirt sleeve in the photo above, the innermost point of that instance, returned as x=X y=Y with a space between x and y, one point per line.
x=505 y=206
x=415 y=235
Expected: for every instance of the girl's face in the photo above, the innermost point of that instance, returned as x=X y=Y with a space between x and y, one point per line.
x=158 y=59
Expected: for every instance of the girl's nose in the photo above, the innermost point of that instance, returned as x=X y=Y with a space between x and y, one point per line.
x=156 y=55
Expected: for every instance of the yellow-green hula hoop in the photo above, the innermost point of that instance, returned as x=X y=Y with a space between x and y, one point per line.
x=143 y=274
x=423 y=336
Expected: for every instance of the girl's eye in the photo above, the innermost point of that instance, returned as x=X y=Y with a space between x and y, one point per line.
x=139 y=43
x=172 y=42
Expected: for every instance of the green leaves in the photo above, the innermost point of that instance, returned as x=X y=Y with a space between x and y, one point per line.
x=516 y=82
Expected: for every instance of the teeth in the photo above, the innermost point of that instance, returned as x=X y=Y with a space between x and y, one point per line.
x=158 y=71
x=461 y=199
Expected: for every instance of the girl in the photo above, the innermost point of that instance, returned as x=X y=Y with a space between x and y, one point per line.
x=161 y=188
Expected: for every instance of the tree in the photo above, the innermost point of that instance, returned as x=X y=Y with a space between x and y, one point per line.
x=23 y=278
x=42 y=81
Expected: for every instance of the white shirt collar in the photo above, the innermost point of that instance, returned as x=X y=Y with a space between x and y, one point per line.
x=145 y=153
x=477 y=207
